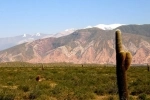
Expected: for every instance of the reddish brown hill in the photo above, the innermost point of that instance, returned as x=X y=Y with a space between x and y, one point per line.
x=83 y=46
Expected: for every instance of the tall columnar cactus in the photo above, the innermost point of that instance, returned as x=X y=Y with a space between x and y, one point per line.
x=148 y=67
x=123 y=61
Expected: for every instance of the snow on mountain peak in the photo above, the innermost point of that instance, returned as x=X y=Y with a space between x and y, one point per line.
x=24 y=35
x=64 y=33
x=89 y=26
x=71 y=29
x=108 y=27
x=37 y=34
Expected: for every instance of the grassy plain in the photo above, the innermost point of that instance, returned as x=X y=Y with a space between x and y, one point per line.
x=69 y=82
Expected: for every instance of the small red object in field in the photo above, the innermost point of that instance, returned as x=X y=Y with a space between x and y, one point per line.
x=38 y=78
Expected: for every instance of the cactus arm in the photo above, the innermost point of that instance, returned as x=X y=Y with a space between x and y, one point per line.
x=128 y=60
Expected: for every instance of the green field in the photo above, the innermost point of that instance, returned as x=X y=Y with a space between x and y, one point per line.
x=69 y=82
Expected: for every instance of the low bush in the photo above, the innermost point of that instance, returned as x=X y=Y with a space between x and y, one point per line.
x=70 y=82
x=142 y=96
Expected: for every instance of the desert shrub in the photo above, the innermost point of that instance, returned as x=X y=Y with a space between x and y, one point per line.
x=7 y=95
x=24 y=88
x=58 y=90
x=131 y=98
x=34 y=95
x=100 y=91
x=44 y=85
x=9 y=83
x=45 y=97
x=111 y=98
x=84 y=96
x=142 y=96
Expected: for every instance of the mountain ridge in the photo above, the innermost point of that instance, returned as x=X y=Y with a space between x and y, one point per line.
x=8 y=42
x=136 y=29
x=91 y=45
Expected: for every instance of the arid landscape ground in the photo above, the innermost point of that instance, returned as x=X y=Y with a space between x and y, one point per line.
x=69 y=82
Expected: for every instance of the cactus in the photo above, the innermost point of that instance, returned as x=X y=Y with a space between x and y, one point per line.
x=42 y=67
x=123 y=61
x=148 y=67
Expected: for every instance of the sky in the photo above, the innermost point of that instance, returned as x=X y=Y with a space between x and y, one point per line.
x=19 y=17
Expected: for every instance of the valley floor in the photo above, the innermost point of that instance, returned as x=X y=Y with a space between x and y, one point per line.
x=24 y=81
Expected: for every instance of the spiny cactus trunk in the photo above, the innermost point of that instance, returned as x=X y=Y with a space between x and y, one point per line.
x=147 y=67
x=123 y=61
x=122 y=78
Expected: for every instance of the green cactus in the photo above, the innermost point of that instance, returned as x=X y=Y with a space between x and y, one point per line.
x=123 y=61
x=148 y=67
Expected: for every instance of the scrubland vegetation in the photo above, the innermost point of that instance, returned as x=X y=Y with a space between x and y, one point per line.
x=69 y=82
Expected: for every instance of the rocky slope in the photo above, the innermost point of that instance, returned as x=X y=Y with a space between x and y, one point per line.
x=91 y=45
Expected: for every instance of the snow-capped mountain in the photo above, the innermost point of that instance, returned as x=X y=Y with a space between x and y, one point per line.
x=106 y=27
x=64 y=33
x=84 y=46
x=12 y=41
x=88 y=27
x=37 y=34
x=24 y=35
x=33 y=35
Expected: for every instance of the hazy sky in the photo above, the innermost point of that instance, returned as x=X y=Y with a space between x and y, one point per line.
x=19 y=17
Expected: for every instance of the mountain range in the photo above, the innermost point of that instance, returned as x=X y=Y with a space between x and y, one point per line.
x=8 y=42
x=88 y=45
